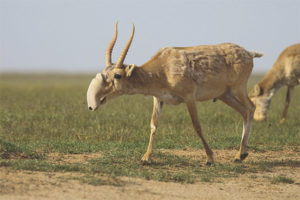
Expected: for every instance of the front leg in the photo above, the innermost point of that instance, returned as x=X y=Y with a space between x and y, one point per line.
x=191 y=105
x=157 y=107
x=287 y=103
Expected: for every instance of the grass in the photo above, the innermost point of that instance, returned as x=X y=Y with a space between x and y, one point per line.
x=282 y=179
x=40 y=114
x=8 y=150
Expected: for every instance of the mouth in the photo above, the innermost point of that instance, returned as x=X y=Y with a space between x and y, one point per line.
x=102 y=100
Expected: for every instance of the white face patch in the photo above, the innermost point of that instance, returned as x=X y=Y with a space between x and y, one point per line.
x=262 y=104
x=92 y=95
x=94 y=92
x=260 y=111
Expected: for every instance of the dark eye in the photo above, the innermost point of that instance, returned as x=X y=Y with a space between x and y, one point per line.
x=117 y=76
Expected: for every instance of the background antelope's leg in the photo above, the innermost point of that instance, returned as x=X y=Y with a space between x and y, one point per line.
x=287 y=103
x=196 y=124
x=157 y=107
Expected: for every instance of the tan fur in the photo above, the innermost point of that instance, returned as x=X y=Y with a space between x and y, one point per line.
x=177 y=75
x=285 y=72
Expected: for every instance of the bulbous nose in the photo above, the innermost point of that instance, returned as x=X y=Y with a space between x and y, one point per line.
x=90 y=108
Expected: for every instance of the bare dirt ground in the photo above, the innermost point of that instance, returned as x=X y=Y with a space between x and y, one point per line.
x=47 y=185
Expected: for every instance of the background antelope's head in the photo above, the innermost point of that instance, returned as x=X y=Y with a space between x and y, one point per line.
x=111 y=82
x=261 y=100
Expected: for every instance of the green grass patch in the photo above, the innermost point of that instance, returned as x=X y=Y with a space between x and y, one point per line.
x=9 y=150
x=282 y=179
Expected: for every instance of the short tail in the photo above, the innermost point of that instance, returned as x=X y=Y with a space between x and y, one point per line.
x=256 y=54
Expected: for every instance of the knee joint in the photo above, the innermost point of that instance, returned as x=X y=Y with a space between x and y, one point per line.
x=153 y=129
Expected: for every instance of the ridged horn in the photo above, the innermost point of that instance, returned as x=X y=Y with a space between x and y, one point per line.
x=110 y=47
x=125 y=50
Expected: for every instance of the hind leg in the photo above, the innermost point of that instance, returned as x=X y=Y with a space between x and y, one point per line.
x=239 y=100
x=243 y=97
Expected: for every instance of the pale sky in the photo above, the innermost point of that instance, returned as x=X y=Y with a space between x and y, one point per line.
x=72 y=35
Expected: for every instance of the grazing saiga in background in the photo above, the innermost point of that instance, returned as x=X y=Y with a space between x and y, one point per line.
x=285 y=72
x=177 y=75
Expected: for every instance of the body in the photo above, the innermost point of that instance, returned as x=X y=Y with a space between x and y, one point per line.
x=202 y=72
x=177 y=75
x=285 y=72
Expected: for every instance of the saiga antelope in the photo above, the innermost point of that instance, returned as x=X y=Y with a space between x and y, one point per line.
x=177 y=75
x=285 y=72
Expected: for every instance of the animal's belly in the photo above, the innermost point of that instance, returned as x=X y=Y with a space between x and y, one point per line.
x=207 y=93
x=170 y=99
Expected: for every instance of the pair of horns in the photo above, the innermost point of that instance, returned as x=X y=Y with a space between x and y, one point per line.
x=111 y=46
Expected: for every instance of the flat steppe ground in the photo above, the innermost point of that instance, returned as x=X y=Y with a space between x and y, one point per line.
x=51 y=147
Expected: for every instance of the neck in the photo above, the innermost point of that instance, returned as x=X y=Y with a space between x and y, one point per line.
x=272 y=82
x=143 y=81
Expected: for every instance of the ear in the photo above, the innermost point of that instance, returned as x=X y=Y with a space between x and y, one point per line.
x=257 y=90
x=129 y=69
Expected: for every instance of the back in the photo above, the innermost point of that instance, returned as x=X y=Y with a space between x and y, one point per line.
x=224 y=62
x=289 y=63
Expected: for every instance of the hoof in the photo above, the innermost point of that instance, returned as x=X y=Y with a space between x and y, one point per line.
x=282 y=121
x=145 y=161
x=209 y=163
x=241 y=158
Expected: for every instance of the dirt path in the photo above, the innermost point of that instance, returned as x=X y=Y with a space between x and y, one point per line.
x=44 y=185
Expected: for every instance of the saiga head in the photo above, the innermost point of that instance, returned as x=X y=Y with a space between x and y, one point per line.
x=261 y=100
x=111 y=82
